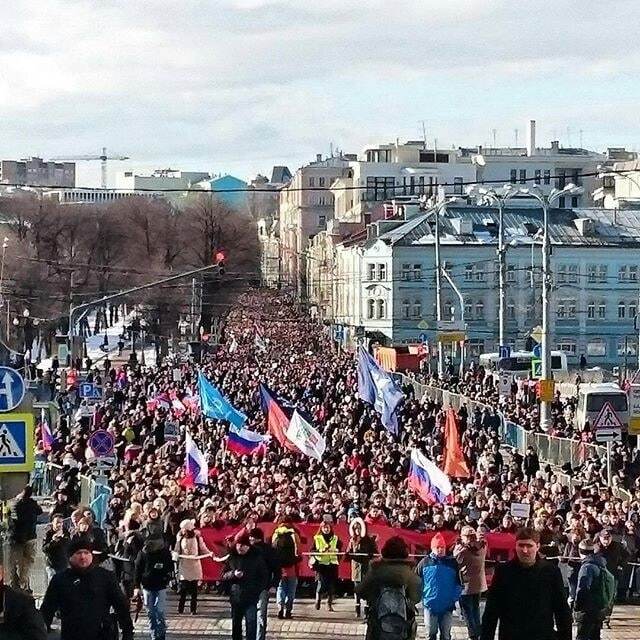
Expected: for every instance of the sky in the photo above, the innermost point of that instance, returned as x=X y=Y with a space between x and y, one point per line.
x=236 y=86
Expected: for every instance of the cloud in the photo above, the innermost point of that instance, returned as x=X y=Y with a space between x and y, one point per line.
x=234 y=80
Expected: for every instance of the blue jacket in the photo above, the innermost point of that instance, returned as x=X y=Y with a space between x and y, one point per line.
x=588 y=582
x=441 y=585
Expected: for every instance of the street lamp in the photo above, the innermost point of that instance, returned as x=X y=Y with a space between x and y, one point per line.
x=498 y=198
x=546 y=201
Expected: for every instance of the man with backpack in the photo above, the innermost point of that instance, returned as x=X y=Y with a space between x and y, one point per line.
x=441 y=588
x=392 y=590
x=286 y=543
x=595 y=593
x=256 y=537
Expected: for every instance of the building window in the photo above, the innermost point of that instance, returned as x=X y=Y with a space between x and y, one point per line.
x=457 y=186
x=405 y=309
x=468 y=310
x=561 y=311
x=632 y=310
x=371 y=268
x=529 y=312
x=592 y=273
x=596 y=347
x=602 y=273
x=380 y=188
x=382 y=271
x=405 y=273
x=511 y=311
x=561 y=275
x=322 y=220
x=321 y=182
x=468 y=273
x=479 y=274
x=371 y=305
x=602 y=310
x=479 y=310
x=538 y=176
x=476 y=346
x=568 y=346
x=312 y=182
x=523 y=176
x=571 y=309
x=514 y=176
x=561 y=202
x=627 y=347
x=561 y=180
x=622 y=310
x=511 y=273
x=416 y=310
x=591 y=310
x=572 y=273
x=382 y=309
x=622 y=274
x=633 y=273
x=574 y=202
x=449 y=311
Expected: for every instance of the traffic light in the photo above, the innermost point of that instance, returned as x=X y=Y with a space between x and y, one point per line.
x=219 y=259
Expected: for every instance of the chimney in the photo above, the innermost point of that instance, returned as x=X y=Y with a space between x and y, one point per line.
x=318 y=157
x=555 y=146
x=531 y=138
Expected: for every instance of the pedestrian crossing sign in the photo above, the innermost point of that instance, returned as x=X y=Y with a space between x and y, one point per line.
x=16 y=442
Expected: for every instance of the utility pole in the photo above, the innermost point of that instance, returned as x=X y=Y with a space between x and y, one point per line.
x=545 y=413
x=439 y=293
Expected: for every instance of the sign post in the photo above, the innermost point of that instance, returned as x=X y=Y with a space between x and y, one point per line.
x=608 y=428
x=634 y=404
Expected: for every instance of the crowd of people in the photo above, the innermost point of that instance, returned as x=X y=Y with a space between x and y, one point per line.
x=155 y=518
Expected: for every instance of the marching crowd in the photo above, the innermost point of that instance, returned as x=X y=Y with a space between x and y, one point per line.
x=154 y=518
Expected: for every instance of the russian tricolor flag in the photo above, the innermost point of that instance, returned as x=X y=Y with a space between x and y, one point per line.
x=429 y=482
x=45 y=432
x=196 y=469
x=244 y=442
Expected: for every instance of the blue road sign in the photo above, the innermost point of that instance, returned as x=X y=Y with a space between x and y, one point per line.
x=12 y=389
x=16 y=442
x=424 y=338
x=537 y=351
x=338 y=332
x=101 y=443
x=90 y=391
x=504 y=351
x=536 y=368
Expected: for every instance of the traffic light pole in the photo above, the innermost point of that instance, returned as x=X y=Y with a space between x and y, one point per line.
x=73 y=310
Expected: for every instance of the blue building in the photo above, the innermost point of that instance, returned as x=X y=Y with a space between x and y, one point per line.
x=226 y=185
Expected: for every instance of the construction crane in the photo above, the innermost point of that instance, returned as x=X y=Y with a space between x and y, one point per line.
x=103 y=157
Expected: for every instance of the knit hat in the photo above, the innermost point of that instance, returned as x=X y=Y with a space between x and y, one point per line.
x=80 y=543
x=586 y=546
x=188 y=525
x=438 y=541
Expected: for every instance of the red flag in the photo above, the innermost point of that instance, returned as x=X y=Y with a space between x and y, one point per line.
x=455 y=466
x=277 y=419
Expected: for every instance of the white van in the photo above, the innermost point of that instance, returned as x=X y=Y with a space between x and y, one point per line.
x=519 y=362
x=593 y=396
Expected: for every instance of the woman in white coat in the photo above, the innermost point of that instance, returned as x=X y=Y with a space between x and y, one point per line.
x=189 y=549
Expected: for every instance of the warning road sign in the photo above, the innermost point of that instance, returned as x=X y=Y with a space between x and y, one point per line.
x=607 y=426
x=16 y=442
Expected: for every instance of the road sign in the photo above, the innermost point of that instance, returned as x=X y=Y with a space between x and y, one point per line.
x=547 y=390
x=101 y=443
x=536 y=333
x=450 y=336
x=504 y=351
x=607 y=426
x=634 y=408
x=338 y=332
x=424 y=338
x=536 y=368
x=537 y=351
x=636 y=377
x=171 y=431
x=451 y=325
x=504 y=383
x=103 y=464
x=423 y=324
x=90 y=391
x=12 y=389
x=16 y=442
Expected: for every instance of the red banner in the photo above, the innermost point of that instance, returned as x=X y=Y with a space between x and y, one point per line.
x=500 y=545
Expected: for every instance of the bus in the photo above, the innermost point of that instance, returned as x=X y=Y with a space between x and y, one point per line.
x=519 y=362
x=593 y=396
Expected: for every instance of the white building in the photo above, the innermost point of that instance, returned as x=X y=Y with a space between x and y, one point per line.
x=159 y=180
x=94 y=196
x=620 y=186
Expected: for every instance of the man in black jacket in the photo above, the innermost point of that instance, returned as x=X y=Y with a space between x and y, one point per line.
x=527 y=596
x=56 y=547
x=23 y=539
x=256 y=537
x=83 y=595
x=153 y=571
x=247 y=574
x=19 y=619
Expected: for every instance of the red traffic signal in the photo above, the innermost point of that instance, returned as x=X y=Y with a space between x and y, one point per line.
x=219 y=257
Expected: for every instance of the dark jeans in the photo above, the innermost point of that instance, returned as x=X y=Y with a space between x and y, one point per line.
x=470 y=605
x=250 y=615
x=188 y=587
x=588 y=626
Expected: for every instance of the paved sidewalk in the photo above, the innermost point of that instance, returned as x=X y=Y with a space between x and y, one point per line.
x=213 y=623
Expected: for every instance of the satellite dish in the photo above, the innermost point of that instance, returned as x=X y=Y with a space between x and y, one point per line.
x=479 y=160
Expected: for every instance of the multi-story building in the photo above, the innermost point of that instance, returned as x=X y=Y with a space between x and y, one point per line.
x=36 y=172
x=620 y=187
x=306 y=205
x=159 y=179
x=96 y=196
x=386 y=281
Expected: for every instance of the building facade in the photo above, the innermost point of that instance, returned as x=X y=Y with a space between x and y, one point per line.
x=36 y=172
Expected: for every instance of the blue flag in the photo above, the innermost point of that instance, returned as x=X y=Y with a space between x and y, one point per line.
x=215 y=405
x=376 y=387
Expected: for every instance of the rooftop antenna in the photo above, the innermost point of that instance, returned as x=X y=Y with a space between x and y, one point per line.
x=331 y=149
x=424 y=133
x=494 y=133
x=515 y=131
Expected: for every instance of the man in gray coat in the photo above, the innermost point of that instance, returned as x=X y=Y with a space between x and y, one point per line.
x=470 y=553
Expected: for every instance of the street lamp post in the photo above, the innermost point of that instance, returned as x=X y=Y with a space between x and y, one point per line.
x=546 y=201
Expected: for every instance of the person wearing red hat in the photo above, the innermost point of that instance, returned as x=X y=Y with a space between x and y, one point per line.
x=441 y=588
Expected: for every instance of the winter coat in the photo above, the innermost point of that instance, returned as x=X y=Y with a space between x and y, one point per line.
x=360 y=553
x=588 y=582
x=188 y=568
x=56 y=551
x=154 y=567
x=21 y=620
x=84 y=599
x=270 y=558
x=471 y=559
x=246 y=589
x=25 y=518
x=616 y=556
x=528 y=602
x=441 y=586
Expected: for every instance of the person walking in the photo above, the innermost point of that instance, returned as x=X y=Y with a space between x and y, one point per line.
x=527 y=596
x=256 y=539
x=324 y=562
x=247 y=574
x=595 y=592
x=441 y=588
x=392 y=590
x=23 y=539
x=19 y=619
x=55 y=547
x=83 y=596
x=360 y=551
x=153 y=572
x=616 y=558
x=286 y=543
x=471 y=553
x=189 y=549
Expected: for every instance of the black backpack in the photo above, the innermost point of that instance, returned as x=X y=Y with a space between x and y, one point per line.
x=393 y=614
x=285 y=547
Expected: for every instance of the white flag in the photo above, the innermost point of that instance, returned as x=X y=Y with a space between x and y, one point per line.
x=305 y=437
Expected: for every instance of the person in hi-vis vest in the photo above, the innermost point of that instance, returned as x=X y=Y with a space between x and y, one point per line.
x=324 y=562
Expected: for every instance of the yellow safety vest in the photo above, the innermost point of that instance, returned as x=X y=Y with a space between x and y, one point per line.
x=326 y=556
